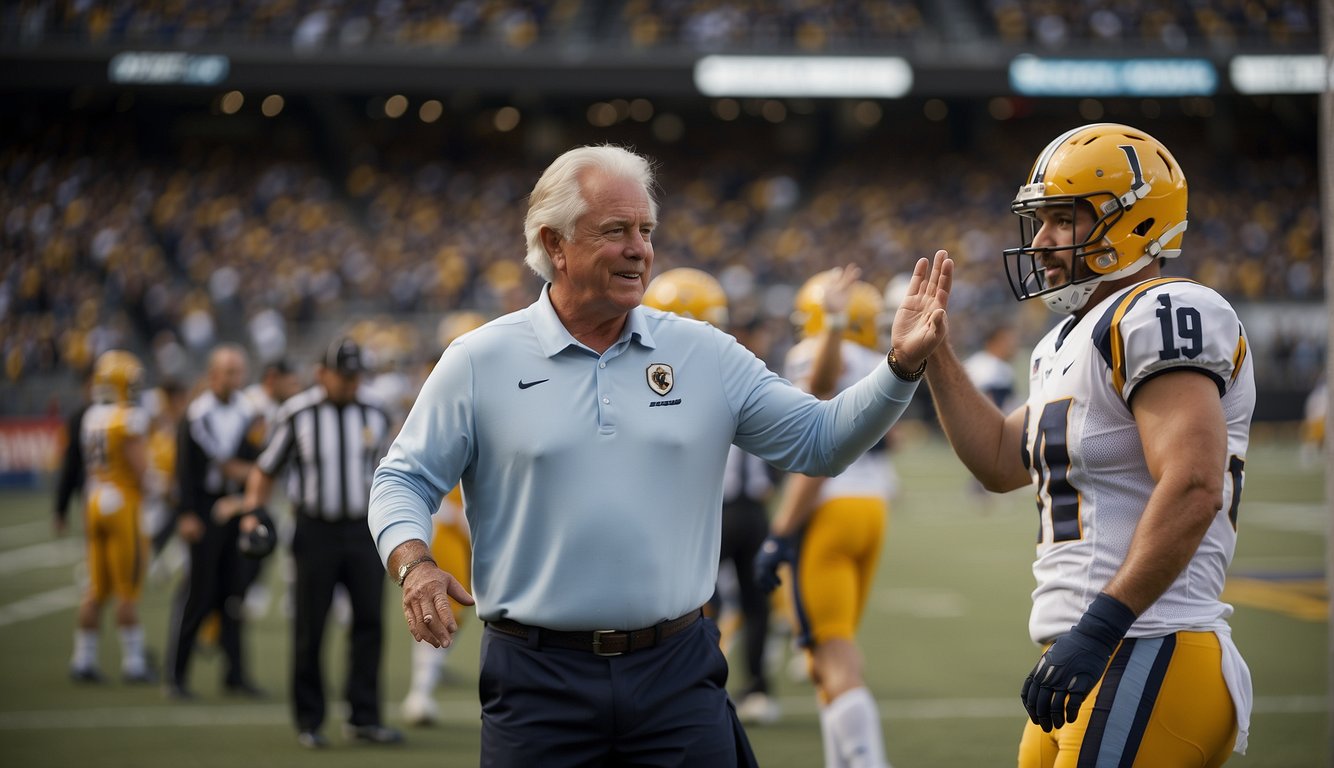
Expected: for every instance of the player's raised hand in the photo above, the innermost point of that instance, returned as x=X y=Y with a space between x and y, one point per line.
x=919 y=323
x=838 y=291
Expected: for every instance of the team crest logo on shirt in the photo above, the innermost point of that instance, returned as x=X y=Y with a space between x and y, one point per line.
x=660 y=378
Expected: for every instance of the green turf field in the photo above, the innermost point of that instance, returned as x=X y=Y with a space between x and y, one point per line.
x=945 y=639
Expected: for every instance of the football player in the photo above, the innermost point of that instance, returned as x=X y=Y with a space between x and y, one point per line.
x=114 y=438
x=1134 y=438
x=830 y=529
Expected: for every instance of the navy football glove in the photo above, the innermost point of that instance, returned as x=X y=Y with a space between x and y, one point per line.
x=1075 y=663
x=260 y=541
x=775 y=551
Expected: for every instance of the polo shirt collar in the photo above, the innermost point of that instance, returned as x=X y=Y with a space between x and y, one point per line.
x=554 y=338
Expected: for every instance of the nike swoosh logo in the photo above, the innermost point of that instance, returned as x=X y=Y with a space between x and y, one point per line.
x=1066 y=368
x=526 y=384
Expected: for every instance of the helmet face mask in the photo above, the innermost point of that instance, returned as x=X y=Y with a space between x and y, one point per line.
x=1024 y=266
x=1135 y=192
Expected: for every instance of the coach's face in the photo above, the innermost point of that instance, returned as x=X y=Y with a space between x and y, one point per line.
x=604 y=267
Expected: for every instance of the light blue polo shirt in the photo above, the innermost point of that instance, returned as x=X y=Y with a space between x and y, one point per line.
x=593 y=483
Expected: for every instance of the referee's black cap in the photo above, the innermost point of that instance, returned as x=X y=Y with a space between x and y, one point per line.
x=344 y=356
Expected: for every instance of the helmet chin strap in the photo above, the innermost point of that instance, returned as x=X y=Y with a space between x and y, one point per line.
x=1072 y=298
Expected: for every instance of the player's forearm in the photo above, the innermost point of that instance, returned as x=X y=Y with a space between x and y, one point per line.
x=258 y=487
x=798 y=503
x=823 y=381
x=975 y=427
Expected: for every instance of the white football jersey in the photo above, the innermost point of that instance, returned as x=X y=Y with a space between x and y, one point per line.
x=1082 y=447
x=871 y=475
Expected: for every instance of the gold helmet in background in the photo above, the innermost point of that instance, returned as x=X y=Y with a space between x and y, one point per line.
x=689 y=292
x=457 y=323
x=864 y=306
x=117 y=377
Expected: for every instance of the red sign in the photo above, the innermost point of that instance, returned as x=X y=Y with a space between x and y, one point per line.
x=31 y=444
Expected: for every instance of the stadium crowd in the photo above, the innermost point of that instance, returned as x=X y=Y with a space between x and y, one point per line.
x=112 y=239
x=707 y=25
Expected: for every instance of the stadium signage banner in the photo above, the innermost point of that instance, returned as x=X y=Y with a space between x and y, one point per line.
x=1034 y=76
x=1281 y=74
x=167 y=68
x=29 y=448
x=804 y=76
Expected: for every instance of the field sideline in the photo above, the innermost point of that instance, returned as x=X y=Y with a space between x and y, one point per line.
x=945 y=639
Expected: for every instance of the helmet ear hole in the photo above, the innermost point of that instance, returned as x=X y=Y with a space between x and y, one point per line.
x=1143 y=227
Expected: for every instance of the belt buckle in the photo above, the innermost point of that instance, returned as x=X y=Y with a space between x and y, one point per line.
x=598 y=634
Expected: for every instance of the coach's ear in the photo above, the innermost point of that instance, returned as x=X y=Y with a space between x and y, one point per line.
x=554 y=243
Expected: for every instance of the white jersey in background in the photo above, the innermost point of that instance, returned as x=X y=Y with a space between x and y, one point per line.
x=872 y=474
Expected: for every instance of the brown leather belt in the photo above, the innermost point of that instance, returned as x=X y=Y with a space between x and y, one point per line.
x=603 y=642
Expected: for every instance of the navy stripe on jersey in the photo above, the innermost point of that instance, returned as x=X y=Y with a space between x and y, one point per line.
x=1125 y=702
x=1102 y=331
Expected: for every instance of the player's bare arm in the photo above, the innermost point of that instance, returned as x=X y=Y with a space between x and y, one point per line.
x=1184 y=433
x=823 y=381
x=426 y=593
x=986 y=440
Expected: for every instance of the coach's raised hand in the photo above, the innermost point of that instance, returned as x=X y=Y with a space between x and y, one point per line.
x=919 y=323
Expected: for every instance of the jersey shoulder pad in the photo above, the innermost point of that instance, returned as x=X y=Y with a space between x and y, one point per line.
x=1165 y=324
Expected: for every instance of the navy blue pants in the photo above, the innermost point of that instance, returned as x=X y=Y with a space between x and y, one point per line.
x=661 y=706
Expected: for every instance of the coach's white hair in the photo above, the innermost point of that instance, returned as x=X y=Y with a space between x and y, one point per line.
x=557 y=200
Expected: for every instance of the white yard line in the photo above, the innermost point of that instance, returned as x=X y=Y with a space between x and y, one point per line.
x=39 y=605
x=48 y=554
x=197 y=715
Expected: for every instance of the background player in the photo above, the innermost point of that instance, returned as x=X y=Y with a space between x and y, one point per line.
x=831 y=530
x=114 y=437
x=451 y=548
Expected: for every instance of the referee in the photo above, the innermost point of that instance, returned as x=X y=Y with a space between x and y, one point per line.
x=330 y=439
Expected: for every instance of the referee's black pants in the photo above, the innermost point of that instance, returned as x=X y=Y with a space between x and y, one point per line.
x=327 y=554
x=213 y=583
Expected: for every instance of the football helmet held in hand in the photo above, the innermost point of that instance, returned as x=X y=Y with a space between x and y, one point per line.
x=261 y=540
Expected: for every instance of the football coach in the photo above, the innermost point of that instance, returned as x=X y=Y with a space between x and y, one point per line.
x=590 y=436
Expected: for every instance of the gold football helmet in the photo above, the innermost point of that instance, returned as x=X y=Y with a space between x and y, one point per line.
x=1136 y=192
x=864 y=307
x=689 y=292
x=457 y=323
x=117 y=376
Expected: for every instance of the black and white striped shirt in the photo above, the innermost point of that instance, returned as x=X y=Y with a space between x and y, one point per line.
x=332 y=451
x=213 y=432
